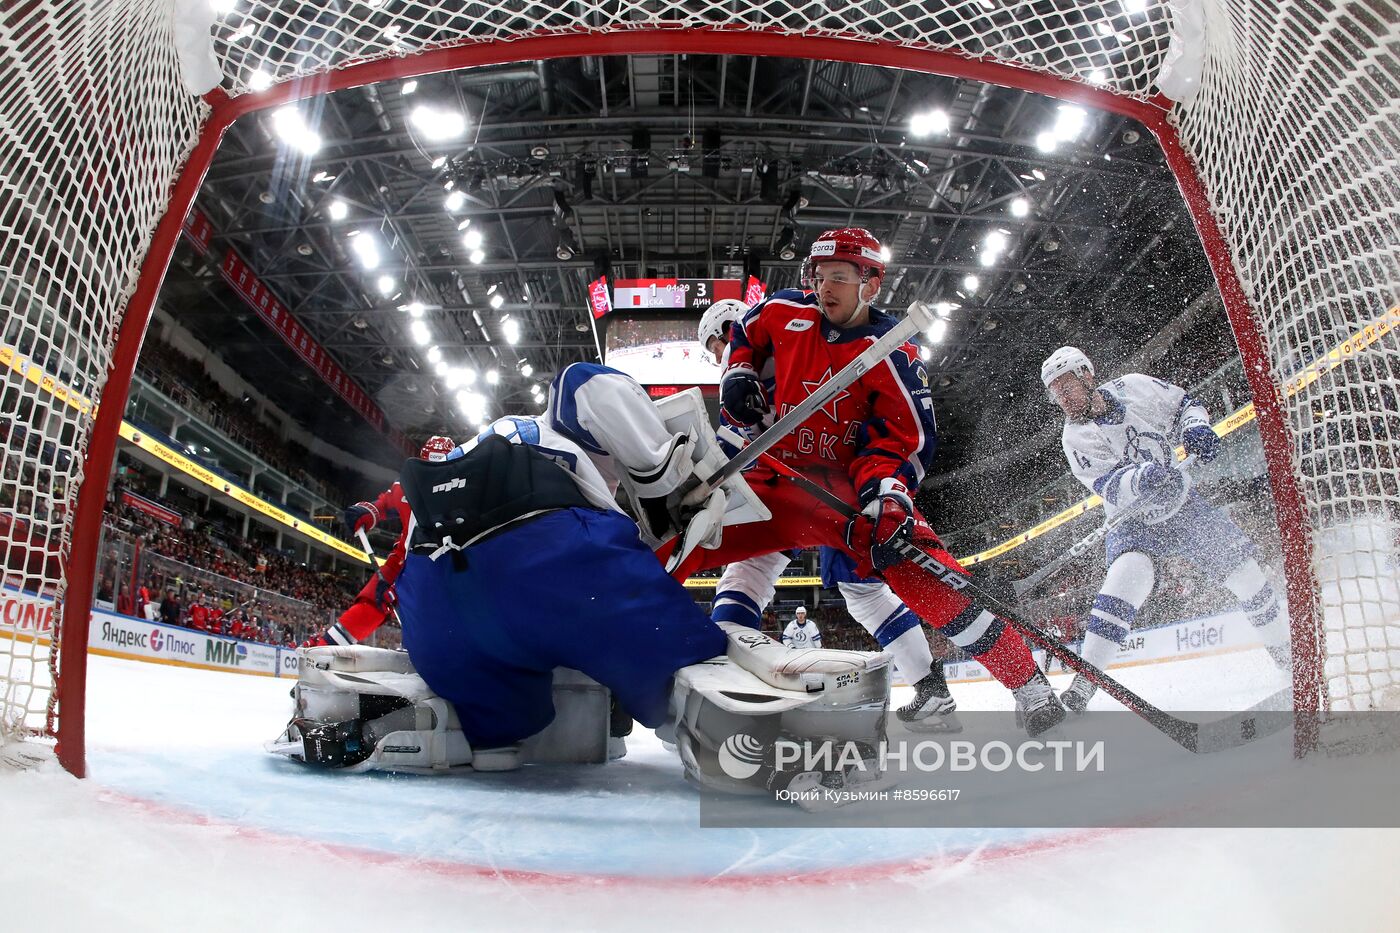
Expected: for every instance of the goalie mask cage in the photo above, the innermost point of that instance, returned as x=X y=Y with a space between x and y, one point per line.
x=1286 y=158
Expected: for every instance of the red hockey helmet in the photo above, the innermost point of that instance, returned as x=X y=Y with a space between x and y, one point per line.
x=849 y=244
x=437 y=448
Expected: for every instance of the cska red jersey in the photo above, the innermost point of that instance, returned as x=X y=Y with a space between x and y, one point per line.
x=882 y=425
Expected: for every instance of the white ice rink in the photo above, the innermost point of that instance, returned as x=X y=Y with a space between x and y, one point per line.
x=186 y=823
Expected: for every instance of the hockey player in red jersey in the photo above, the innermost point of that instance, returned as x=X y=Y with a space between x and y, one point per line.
x=870 y=445
x=372 y=604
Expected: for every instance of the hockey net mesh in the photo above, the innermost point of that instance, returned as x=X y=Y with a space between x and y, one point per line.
x=1294 y=132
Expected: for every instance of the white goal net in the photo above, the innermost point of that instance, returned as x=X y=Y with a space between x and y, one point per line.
x=1287 y=155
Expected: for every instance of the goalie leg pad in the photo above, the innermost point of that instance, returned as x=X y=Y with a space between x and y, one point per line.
x=727 y=725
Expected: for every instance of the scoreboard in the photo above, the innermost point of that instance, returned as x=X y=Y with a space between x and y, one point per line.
x=673 y=294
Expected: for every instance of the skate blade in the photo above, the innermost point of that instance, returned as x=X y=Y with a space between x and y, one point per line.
x=946 y=723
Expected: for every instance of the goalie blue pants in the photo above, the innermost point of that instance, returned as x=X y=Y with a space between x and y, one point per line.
x=572 y=588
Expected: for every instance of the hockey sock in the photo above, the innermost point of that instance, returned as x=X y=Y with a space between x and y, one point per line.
x=1259 y=600
x=994 y=644
x=903 y=637
x=892 y=624
x=1125 y=588
x=735 y=606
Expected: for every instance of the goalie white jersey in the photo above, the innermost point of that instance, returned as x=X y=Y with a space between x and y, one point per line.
x=1143 y=424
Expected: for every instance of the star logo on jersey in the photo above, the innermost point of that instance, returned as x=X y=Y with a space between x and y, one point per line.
x=829 y=409
x=909 y=352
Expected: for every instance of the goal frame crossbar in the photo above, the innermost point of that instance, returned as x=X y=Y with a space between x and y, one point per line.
x=1154 y=115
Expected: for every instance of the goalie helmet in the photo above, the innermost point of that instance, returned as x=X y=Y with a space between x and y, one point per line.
x=437 y=448
x=855 y=245
x=715 y=322
x=1065 y=360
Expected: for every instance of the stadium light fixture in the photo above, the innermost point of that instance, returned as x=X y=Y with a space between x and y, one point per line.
x=419 y=331
x=472 y=239
x=366 y=247
x=928 y=122
x=477 y=256
x=291 y=128
x=455 y=201
x=385 y=284
x=493 y=377
x=1020 y=207
x=511 y=331
x=338 y=209
x=438 y=123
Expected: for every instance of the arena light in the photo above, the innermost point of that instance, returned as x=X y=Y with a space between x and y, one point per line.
x=1070 y=122
x=526 y=370
x=408 y=88
x=476 y=257
x=441 y=367
x=971 y=283
x=338 y=209
x=493 y=377
x=473 y=405
x=928 y=122
x=366 y=247
x=1098 y=76
x=1047 y=141
x=438 y=123
x=885 y=254
x=434 y=354
x=1020 y=207
x=385 y=284
x=415 y=309
x=472 y=239
x=259 y=80
x=419 y=331
x=291 y=128
x=455 y=201
x=497 y=300
x=510 y=329
x=937 y=331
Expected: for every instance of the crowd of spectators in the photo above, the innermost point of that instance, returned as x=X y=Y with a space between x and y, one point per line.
x=187 y=383
x=259 y=592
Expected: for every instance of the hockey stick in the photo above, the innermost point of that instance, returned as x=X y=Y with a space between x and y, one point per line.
x=919 y=318
x=376 y=563
x=1076 y=550
x=1200 y=738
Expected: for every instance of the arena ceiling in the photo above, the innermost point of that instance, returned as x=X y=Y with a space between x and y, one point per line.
x=694 y=167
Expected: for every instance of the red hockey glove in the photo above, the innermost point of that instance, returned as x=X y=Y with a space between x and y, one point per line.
x=884 y=524
x=361 y=515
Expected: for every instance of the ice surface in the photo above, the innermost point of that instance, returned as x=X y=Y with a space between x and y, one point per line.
x=186 y=820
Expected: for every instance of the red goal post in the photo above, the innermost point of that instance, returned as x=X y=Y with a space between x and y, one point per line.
x=1286 y=160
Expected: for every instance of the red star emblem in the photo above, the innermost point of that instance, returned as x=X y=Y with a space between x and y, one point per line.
x=910 y=353
x=829 y=409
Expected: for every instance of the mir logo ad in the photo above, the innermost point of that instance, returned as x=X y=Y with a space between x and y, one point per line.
x=1099 y=769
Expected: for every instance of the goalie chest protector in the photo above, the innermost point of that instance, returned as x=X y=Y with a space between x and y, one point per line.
x=490 y=486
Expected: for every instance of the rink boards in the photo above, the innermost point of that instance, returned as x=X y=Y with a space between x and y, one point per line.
x=29 y=616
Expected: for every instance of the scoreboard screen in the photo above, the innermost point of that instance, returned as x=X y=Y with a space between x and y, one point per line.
x=677 y=294
x=659 y=348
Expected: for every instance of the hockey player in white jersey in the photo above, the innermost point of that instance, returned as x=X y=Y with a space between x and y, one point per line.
x=802 y=632
x=1120 y=439
x=746 y=587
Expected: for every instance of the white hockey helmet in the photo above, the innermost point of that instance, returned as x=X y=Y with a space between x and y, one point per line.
x=801 y=609
x=717 y=318
x=1064 y=360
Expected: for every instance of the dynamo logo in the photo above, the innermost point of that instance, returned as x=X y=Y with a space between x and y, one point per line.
x=741 y=756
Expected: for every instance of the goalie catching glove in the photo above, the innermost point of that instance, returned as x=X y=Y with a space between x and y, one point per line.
x=885 y=523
